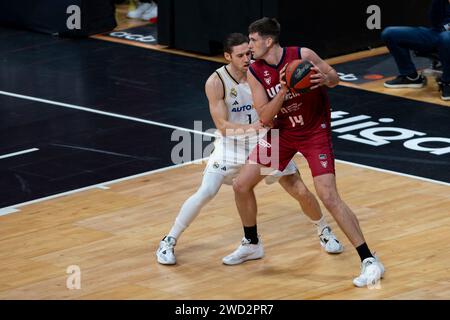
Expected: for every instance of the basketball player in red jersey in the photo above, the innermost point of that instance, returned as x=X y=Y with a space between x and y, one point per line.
x=303 y=123
x=231 y=108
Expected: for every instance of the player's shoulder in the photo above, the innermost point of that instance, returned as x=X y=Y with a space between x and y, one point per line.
x=293 y=52
x=255 y=66
x=214 y=79
x=256 y=63
x=307 y=52
x=215 y=85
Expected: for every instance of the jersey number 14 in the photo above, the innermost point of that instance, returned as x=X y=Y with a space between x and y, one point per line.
x=296 y=120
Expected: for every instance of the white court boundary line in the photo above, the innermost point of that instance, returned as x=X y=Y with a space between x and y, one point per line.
x=13 y=208
x=18 y=153
x=110 y=114
x=102 y=185
x=393 y=172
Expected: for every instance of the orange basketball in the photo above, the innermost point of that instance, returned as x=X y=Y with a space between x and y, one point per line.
x=298 y=73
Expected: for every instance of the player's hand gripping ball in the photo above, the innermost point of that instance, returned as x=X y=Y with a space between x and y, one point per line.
x=298 y=75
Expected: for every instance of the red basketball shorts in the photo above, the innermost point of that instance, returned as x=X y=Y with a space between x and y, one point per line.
x=278 y=147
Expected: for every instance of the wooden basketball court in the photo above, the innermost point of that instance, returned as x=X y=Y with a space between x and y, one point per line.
x=112 y=235
x=111 y=232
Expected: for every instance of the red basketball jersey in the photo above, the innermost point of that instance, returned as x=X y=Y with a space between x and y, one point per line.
x=300 y=112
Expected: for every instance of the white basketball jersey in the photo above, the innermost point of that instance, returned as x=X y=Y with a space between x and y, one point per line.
x=238 y=99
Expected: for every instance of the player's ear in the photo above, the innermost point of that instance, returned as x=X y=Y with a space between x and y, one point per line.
x=227 y=56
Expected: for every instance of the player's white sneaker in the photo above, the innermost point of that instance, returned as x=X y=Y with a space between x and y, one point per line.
x=151 y=12
x=329 y=242
x=246 y=251
x=372 y=270
x=140 y=10
x=165 y=253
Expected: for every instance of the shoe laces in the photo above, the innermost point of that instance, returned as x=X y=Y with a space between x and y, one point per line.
x=367 y=262
x=142 y=5
x=326 y=233
x=169 y=242
x=152 y=5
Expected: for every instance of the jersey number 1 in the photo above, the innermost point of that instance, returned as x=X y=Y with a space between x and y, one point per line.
x=249 y=118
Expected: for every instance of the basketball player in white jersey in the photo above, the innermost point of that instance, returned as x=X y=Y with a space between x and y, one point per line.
x=231 y=107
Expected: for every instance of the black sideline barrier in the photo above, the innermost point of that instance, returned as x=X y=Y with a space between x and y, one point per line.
x=330 y=27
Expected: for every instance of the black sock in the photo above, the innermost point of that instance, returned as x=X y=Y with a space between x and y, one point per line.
x=413 y=76
x=251 y=234
x=364 y=252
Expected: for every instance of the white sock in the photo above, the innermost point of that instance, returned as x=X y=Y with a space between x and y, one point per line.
x=211 y=184
x=320 y=224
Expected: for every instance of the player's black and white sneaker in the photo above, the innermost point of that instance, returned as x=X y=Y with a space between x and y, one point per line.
x=406 y=82
x=329 y=242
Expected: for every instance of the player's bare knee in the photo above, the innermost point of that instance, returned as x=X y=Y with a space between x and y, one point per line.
x=330 y=199
x=239 y=187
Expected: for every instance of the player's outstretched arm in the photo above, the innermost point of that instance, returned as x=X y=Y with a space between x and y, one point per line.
x=218 y=109
x=326 y=75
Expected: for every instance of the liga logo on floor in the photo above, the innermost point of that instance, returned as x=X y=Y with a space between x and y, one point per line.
x=386 y=140
x=364 y=131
